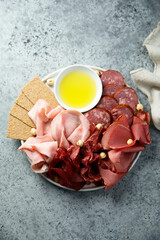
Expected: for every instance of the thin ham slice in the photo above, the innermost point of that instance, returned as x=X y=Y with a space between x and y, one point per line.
x=143 y=115
x=38 y=163
x=46 y=148
x=40 y=150
x=33 y=140
x=121 y=160
x=106 y=136
x=70 y=126
x=110 y=178
x=134 y=149
x=42 y=114
x=140 y=130
x=117 y=134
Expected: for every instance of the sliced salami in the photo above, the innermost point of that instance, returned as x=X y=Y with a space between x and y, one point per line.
x=99 y=115
x=107 y=102
x=112 y=77
x=110 y=89
x=127 y=96
x=122 y=109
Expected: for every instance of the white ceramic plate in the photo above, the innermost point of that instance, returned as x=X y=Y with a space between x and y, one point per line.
x=90 y=187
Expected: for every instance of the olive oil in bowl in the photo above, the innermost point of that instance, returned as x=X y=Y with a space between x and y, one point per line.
x=77 y=89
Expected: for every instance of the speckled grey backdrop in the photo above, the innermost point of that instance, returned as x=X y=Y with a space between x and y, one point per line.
x=36 y=38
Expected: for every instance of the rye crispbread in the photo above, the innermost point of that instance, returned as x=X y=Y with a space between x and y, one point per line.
x=24 y=102
x=21 y=114
x=36 y=89
x=17 y=129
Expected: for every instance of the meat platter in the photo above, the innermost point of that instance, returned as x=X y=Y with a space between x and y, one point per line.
x=117 y=107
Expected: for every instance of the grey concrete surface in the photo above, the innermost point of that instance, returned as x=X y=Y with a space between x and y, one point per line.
x=36 y=38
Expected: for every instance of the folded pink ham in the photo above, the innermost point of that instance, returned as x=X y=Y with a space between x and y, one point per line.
x=55 y=128
x=40 y=150
x=70 y=126
x=42 y=114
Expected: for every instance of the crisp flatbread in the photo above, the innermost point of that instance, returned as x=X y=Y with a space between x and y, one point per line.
x=17 y=129
x=21 y=114
x=36 y=89
x=24 y=102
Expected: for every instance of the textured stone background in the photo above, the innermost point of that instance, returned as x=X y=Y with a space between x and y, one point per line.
x=36 y=38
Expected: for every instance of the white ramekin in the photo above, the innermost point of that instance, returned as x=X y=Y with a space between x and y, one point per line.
x=90 y=72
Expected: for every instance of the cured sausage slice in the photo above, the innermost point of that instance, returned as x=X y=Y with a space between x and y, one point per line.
x=110 y=89
x=112 y=77
x=107 y=102
x=122 y=109
x=128 y=96
x=99 y=115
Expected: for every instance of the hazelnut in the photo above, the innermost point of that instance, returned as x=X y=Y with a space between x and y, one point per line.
x=103 y=155
x=33 y=131
x=129 y=141
x=50 y=82
x=98 y=73
x=139 y=106
x=99 y=126
x=80 y=143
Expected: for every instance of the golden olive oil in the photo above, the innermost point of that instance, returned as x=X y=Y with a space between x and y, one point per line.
x=77 y=89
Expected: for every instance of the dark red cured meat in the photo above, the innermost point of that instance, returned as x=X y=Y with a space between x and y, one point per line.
x=94 y=140
x=122 y=109
x=112 y=77
x=99 y=115
x=117 y=135
x=121 y=160
x=107 y=102
x=128 y=96
x=143 y=115
x=110 y=89
x=110 y=178
x=140 y=130
x=90 y=173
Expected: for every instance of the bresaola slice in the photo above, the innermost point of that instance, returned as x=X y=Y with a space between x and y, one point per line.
x=127 y=96
x=99 y=115
x=112 y=77
x=107 y=102
x=122 y=109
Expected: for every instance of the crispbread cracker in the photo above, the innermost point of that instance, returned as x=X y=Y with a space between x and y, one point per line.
x=24 y=102
x=36 y=89
x=21 y=114
x=17 y=129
